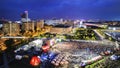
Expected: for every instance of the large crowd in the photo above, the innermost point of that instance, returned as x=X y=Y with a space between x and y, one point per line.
x=90 y=46
x=76 y=51
x=79 y=51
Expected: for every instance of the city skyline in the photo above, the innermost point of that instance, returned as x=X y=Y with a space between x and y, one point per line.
x=59 y=34
x=66 y=9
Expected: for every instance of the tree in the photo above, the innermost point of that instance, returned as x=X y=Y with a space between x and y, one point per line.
x=9 y=43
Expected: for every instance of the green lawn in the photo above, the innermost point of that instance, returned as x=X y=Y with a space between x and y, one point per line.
x=93 y=65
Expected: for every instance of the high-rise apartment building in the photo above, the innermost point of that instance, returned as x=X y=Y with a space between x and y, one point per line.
x=39 y=25
x=11 y=28
x=28 y=26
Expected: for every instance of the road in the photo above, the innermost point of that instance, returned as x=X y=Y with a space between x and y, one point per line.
x=101 y=37
x=105 y=40
x=5 y=60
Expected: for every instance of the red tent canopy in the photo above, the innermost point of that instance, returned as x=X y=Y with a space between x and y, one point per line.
x=46 y=48
x=35 y=61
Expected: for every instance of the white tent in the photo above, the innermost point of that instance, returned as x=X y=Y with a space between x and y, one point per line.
x=25 y=47
x=36 y=43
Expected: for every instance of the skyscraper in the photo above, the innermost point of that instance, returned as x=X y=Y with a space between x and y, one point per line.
x=24 y=17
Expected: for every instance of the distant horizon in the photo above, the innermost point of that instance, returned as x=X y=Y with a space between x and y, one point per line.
x=59 y=19
x=55 y=18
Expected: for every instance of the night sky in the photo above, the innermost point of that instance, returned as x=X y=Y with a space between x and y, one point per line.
x=67 y=9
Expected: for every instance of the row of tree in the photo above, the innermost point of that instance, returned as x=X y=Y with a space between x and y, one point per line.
x=47 y=35
x=86 y=34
